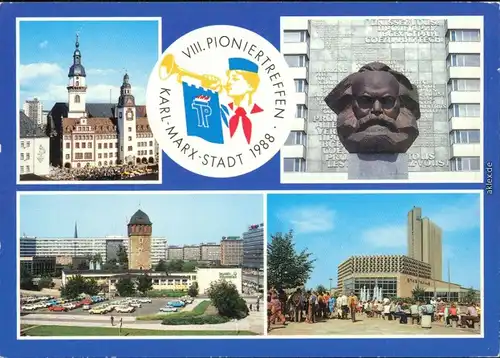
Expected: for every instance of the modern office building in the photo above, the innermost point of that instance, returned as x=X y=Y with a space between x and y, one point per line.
x=33 y=147
x=442 y=57
x=231 y=251
x=175 y=253
x=253 y=247
x=192 y=253
x=34 y=110
x=396 y=275
x=210 y=252
x=425 y=242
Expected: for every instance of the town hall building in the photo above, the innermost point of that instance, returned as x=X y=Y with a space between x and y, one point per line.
x=99 y=134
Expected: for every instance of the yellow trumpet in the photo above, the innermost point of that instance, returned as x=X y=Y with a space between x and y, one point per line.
x=169 y=67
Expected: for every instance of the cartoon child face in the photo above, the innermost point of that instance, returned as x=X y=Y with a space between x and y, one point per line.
x=237 y=85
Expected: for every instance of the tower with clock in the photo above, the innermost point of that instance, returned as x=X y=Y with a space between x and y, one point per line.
x=140 y=229
x=126 y=115
x=77 y=87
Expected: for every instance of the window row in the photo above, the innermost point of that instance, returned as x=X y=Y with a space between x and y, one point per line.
x=145 y=144
x=465 y=164
x=25 y=169
x=296 y=138
x=297 y=60
x=465 y=36
x=465 y=137
x=295 y=36
x=464 y=60
x=465 y=85
x=294 y=165
x=464 y=110
x=26 y=144
x=26 y=156
x=301 y=85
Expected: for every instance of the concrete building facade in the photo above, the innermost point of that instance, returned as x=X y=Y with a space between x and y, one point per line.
x=210 y=252
x=34 y=147
x=441 y=56
x=396 y=275
x=425 y=242
x=231 y=251
x=192 y=253
x=33 y=109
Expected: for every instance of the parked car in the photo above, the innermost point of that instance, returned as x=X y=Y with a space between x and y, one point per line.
x=99 y=310
x=176 y=303
x=145 y=300
x=124 y=309
x=58 y=309
x=168 y=309
x=86 y=307
x=135 y=304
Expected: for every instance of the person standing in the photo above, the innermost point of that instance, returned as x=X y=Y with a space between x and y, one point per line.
x=112 y=321
x=353 y=304
x=344 y=305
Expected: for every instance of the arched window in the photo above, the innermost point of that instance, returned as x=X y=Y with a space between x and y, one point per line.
x=77 y=99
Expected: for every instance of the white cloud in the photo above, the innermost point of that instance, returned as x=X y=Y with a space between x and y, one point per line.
x=47 y=81
x=312 y=219
x=34 y=72
x=43 y=44
x=101 y=71
x=462 y=215
x=390 y=236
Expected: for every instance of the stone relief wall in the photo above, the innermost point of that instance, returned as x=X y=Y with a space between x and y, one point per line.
x=415 y=47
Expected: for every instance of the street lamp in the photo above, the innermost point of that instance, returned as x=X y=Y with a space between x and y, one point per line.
x=331 y=279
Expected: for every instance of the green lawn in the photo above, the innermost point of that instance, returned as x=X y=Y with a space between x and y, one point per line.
x=55 y=331
x=197 y=311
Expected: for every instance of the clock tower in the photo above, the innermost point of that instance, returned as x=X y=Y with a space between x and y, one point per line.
x=77 y=86
x=126 y=115
x=139 y=241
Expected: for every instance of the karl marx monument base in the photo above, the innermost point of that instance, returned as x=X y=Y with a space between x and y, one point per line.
x=379 y=166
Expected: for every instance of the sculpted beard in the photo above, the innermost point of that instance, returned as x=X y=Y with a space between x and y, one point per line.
x=380 y=131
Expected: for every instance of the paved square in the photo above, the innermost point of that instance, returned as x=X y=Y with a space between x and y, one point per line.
x=366 y=326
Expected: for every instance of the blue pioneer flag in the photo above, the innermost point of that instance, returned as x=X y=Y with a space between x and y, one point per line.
x=203 y=113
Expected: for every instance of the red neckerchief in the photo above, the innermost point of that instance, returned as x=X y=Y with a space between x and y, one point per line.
x=241 y=113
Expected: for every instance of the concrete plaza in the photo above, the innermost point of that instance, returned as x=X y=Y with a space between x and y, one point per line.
x=367 y=327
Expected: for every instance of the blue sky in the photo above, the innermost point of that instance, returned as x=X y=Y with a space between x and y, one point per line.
x=336 y=226
x=108 y=49
x=181 y=218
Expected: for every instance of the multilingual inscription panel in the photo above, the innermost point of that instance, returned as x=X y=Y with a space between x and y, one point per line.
x=415 y=47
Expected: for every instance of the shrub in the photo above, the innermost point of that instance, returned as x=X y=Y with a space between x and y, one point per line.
x=227 y=300
x=194 y=320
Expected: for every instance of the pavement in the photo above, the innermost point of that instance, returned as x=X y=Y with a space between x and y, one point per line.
x=366 y=326
x=253 y=323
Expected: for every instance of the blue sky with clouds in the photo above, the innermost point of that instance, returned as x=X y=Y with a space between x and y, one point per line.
x=336 y=226
x=108 y=49
x=181 y=218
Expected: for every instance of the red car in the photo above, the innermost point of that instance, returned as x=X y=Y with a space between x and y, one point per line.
x=58 y=309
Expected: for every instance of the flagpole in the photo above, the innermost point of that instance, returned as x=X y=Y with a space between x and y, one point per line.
x=449 y=282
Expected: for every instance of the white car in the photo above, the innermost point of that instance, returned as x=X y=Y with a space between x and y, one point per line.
x=145 y=300
x=86 y=307
x=124 y=309
x=29 y=308
x=168 y=309
x=135 y=304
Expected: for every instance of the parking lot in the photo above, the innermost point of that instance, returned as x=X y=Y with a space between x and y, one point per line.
x=145 y=309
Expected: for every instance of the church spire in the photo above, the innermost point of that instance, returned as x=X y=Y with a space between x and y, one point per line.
x=77 y=68
x=76 y=230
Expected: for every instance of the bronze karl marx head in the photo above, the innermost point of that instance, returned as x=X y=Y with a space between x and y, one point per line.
x=377 y=110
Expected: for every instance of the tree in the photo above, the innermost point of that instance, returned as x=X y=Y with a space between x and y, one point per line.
x=285 y=267
x=161 y=267
x=175 y=266
x=125 y=287
x=188 y=266
x=193 y=290
x=45 y=282
x=470 y=296
x=78 y=285
x=122 y=256
x=321 y=289
x=26 y=279
x=225 y=297
x=144 y=284
x=97 y=259
x=418 y=293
